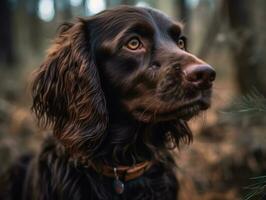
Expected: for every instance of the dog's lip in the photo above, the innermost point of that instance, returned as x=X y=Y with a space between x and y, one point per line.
x=188 y=110
x=202 y=101
x=185 y=111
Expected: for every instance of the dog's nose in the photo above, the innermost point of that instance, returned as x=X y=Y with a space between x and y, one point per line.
x=201 y=75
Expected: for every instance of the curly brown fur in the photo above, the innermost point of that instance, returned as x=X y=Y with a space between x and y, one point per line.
x=109 y=103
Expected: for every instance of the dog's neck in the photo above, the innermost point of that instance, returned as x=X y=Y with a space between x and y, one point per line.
x=129 y=142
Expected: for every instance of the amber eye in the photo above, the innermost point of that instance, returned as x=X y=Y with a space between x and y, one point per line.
x=181 y=44
x=134 y=44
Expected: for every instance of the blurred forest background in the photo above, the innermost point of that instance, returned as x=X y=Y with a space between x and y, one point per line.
x=227 y=158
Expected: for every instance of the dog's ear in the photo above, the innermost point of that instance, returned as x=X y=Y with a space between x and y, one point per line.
x=66 y=91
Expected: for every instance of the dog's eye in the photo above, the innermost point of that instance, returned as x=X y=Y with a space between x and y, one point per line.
x=134 y=44
x=181 y=44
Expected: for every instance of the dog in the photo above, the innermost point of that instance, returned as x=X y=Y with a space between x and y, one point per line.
x=117 y=90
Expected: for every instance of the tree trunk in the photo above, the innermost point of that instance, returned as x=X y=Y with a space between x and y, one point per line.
x=213 y=29
x=182 y=13
x=35 y=30
x=6 y=34
x=248 y=44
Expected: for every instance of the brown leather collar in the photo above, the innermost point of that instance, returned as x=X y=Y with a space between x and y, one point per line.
x=124 y=173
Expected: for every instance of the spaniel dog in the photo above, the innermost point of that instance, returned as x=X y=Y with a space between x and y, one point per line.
x=117 y=90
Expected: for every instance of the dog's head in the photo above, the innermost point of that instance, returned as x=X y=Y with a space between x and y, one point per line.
x=125 y=63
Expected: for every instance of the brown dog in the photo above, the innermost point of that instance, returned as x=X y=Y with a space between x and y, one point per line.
x=117 y=90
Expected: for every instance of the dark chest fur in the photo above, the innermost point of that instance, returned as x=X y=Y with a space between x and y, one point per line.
x=52 y=175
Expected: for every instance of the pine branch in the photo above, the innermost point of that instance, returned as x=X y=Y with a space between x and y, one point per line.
x=257 y=189
x=246 y=107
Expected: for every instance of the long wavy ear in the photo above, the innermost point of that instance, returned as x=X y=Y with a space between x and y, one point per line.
x=67 y=94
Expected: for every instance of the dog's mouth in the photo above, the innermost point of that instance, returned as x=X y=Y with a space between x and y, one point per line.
x=184 y=111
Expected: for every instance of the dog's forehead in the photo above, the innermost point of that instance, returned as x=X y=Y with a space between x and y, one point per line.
x=161 y=19
x=163 y=22
x=121 y=17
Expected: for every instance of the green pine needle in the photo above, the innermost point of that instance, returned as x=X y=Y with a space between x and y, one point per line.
x=254 y=101
x=257 y=190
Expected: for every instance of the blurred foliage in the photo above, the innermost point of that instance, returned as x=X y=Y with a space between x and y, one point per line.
x=251 y=106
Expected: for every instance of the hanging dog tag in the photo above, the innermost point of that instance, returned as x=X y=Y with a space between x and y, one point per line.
x=118 y=185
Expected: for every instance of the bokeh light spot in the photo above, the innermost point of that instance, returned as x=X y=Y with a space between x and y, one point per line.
x=46 y=10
